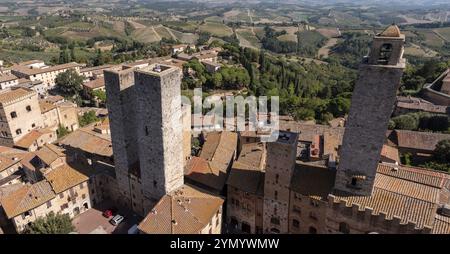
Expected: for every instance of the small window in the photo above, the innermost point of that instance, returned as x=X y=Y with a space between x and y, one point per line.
x=13 y=114
x=28 y=108
x=295 y=223
x=344 y=228
x=49 y=204
x=276 y=195
x=33 y=125
x=354 y=181
x=277 y=178
x=18 y=131
x=275 y=221
x=312 y=230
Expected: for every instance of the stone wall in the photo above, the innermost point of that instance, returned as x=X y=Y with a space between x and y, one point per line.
x=159 y=130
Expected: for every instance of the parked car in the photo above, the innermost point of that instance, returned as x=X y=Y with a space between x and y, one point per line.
x=110 y=212
x=133 y=230
x=116 y=220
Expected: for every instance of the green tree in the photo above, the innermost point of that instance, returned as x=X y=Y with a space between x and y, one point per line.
x=405 y=122
x=62 y=131
x=51 y=224
x=88 y=118
x=100 y=95
x=442 y=151
x=339 y=106
x=69 y=83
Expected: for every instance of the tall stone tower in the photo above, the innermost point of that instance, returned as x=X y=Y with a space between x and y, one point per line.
x=121 y=105
x=145 y=114
x=372 y=104
x=280 y=163
x=159 y=129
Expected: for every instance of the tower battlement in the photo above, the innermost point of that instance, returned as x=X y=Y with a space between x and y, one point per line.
x=381 y=220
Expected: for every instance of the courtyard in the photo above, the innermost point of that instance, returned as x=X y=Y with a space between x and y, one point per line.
x=93 y=221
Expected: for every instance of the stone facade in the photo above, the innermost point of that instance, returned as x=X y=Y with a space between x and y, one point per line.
x=146 y=129
x=19 y=114
x=372 y=104
x=280 y=165
x=159 y=129
x=73 y=201
x=121 y=105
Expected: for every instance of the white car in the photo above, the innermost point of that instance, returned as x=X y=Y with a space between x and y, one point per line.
x=116 y=220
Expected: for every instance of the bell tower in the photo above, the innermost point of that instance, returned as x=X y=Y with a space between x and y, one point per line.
x=372 y=104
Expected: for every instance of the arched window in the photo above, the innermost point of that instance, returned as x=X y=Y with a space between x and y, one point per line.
x=344 y=228
x=312 y=230
x=277 y=177
x=385 y=53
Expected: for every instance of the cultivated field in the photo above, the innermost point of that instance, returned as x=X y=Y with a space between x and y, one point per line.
x=217 y=29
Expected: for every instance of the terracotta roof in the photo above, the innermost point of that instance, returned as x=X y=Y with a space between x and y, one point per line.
x=441 y=225
x=46 y=106
x=6 y=190
x=307 y=132
x=15 y=94
x=49 y=153
x=94 y=68
x=313 y=181
x=64 y=177
x=27 y=140
x=413 y=194
x=27 y=197
x=96 y=83
x=54 y=99
x=419 y=140
x=390 y=152
x=184 y=211
x=391 y=31
x=89 y=141
x=247 y=173
x=211 y=168
x=6 y=161
x=7 y=77
x=33 y=71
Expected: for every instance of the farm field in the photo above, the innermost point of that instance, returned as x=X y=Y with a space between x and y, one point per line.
x=444 y=32
x=217 y=29
x=247 y=38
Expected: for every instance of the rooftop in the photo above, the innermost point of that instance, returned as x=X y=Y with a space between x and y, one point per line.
x=413 y=194
x=49 y=153
x=391 y=31
x=186 y=210
x=27 y=197
x=211 y=167
x=64 y=177
x=33 y=71
x=7 y=77
x=46 y=106
x=27 y=140
x=86 y=139
x=96 y=83
x=417 y=139
x=15 y=94
x=247 y=173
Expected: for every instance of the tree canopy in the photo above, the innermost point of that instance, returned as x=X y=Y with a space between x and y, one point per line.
x=51 y=224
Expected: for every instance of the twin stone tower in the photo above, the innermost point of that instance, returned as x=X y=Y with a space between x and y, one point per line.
x=146 y=128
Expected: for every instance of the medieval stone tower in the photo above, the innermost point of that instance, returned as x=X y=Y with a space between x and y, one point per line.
x=159 y=129
x=144 y=108
x=121 y=105
x=280 y=163
x=372 y=104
